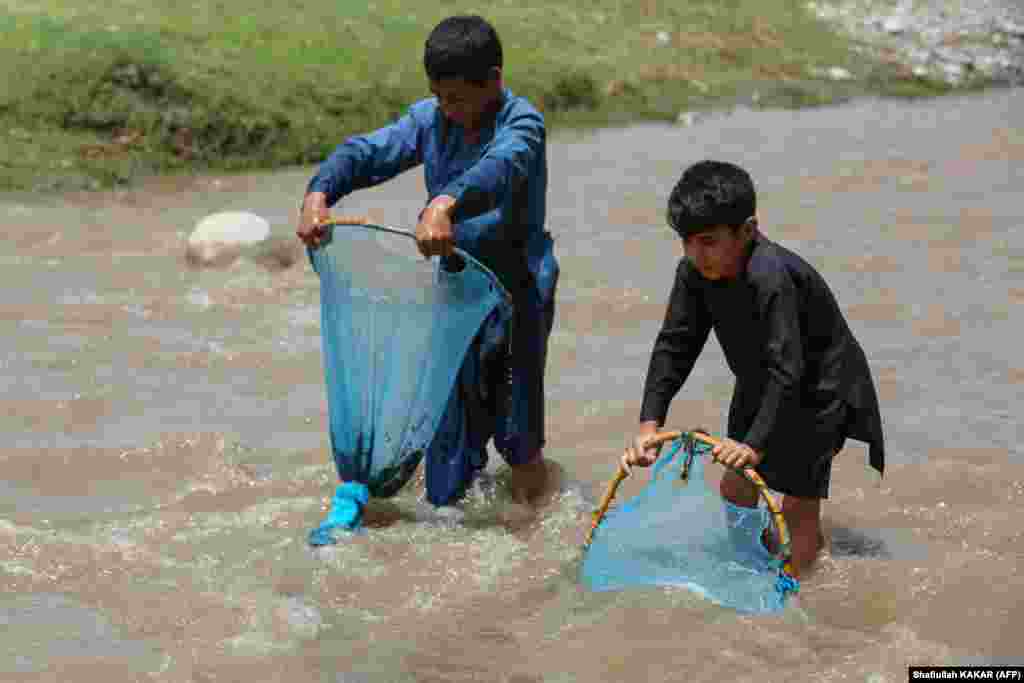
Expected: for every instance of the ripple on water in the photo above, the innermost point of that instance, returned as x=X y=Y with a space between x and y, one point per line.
x=44 y=628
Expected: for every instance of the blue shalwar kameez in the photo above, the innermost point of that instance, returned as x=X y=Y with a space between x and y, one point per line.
x=499 y=182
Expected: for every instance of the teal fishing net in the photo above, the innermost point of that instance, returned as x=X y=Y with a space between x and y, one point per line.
x=679 y=532
x=394 y=330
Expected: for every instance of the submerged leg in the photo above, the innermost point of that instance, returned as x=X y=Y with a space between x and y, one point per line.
x=529 y=479
x=803 y=517
x=737 y=490
x=743 y=526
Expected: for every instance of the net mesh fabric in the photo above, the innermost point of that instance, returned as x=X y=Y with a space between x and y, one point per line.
x=394 y=330
x=679 y=532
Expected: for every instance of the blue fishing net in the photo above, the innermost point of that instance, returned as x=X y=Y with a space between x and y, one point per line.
x=395 y=329
x=679 y=532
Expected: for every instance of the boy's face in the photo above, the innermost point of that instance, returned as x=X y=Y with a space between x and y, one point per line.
x=720 y=253
x=465 y=102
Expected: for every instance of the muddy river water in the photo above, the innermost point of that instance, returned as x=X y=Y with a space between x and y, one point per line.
x=164 y=447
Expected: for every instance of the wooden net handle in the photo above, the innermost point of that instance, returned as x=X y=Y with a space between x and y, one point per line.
x=335 y=219
x=663 y=437
x=341 y=219
x=609 y=495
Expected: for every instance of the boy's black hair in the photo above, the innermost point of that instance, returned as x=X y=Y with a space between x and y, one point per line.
x=711 y=193
x=462 y=47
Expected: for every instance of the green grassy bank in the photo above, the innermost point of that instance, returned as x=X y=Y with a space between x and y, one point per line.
x=99 y=94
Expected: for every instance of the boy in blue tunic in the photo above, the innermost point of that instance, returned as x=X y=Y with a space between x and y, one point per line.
x=803 y=384
x=485 y=164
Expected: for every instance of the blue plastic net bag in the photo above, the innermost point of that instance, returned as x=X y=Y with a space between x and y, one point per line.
x=395 y=329
x=679 y=532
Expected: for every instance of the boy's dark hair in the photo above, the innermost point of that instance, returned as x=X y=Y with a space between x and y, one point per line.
x=462 y=47
x=711 y=193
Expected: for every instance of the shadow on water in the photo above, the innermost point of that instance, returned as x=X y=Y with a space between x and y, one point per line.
x=880 y=544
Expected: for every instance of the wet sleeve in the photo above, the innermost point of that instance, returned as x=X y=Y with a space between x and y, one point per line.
x=676 y=348
x=782 y=359
x=503 y=168
x=366 y=160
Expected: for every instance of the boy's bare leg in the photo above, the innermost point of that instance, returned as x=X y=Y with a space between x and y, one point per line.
x=803 y=517
x=737 y=490
x=529 y=479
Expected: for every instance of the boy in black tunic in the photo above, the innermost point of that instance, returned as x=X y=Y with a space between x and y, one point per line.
x=803 y=384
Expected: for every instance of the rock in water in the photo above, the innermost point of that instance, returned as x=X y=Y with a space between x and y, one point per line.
x=219 y=238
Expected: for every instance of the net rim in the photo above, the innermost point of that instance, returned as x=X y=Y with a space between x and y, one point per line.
x=784 y=553
x=359 y=222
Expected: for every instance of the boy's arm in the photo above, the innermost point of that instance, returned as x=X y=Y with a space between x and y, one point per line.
x=366 y=160
x=679 y=343
x=505 y=165
x=782 y=359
